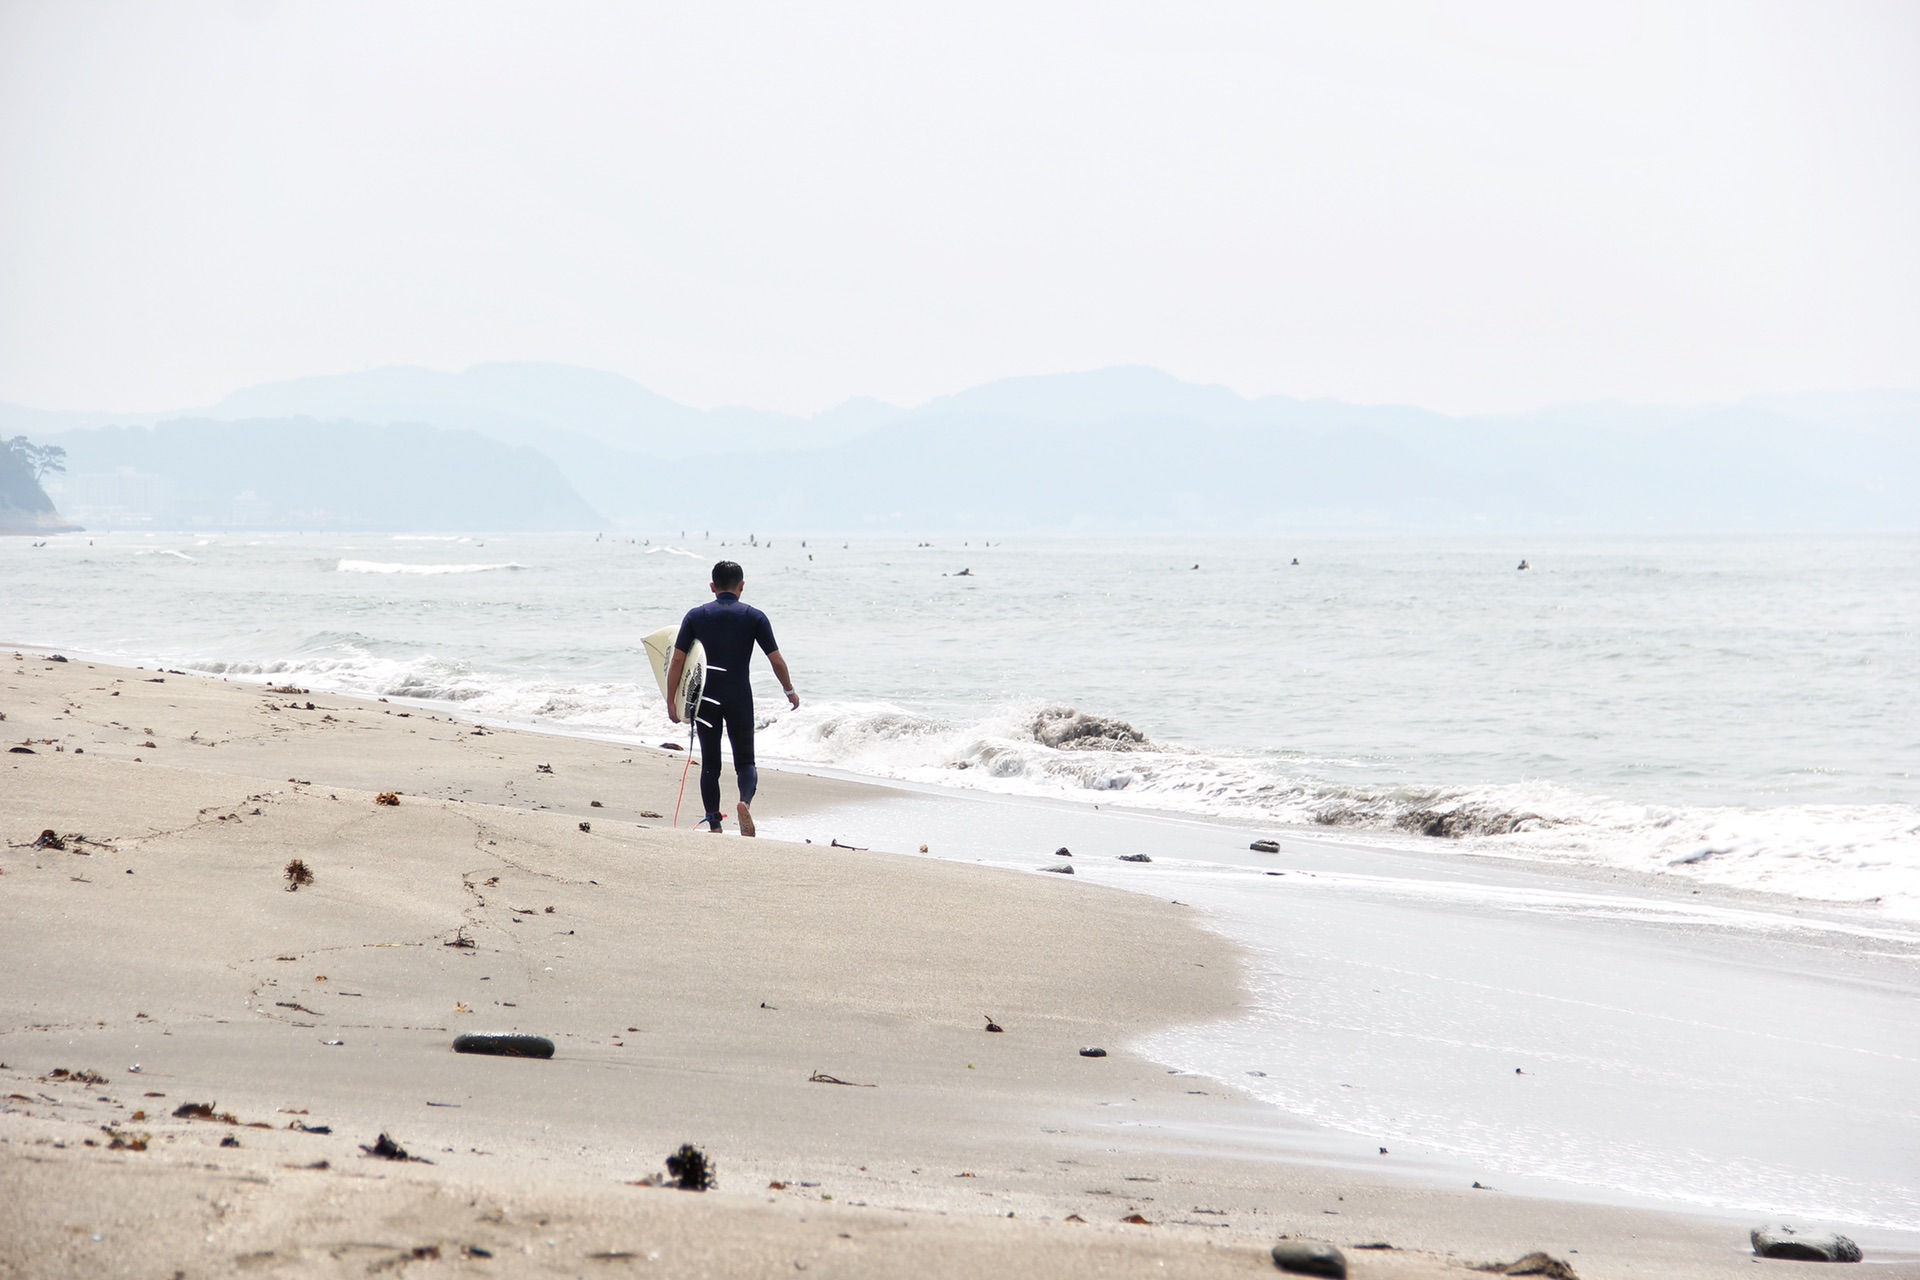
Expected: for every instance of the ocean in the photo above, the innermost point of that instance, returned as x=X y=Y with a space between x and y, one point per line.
x=1740 y=710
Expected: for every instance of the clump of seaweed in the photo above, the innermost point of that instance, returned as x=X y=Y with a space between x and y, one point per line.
x=84 y=1076
x=387 y=797
x=298 y=873
x=387 y=1149
x=690 y=1169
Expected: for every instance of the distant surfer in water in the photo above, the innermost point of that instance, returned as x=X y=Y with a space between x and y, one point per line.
x=728 y=630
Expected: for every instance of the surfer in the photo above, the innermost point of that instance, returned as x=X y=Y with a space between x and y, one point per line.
x=728 y=630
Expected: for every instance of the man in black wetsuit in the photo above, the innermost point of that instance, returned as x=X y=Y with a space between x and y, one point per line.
x=728 y=630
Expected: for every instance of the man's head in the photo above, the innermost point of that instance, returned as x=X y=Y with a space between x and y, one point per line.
x=728 y=576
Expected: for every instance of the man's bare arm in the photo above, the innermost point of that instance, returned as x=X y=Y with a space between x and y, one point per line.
x=674 y=671
x=779 y=665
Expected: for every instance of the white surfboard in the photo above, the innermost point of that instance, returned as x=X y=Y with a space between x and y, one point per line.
x=693 y=680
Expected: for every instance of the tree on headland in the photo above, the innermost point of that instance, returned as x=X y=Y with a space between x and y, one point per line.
x=38 y=458
x=24 y=505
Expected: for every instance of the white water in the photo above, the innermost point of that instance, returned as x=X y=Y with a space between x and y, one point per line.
x=380 y=566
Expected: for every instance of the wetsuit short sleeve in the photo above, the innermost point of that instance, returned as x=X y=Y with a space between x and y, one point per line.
x=763 y=633
x=684 y=641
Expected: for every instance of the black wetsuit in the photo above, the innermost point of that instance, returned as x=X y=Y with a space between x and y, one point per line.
x=728 y=630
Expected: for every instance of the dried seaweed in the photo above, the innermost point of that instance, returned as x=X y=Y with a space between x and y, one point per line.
x=387 y=1149
x=691 y=1169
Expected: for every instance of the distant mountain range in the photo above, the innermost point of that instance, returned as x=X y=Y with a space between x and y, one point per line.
x=506 y=446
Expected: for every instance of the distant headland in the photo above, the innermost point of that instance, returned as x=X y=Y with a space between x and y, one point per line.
x=24 y=505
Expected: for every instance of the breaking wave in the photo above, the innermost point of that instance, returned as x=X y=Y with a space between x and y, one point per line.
x=1843 y=853
x=381 y=566
x=345 y=662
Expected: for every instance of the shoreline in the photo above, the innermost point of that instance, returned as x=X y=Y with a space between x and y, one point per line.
x=700 y=926
x=1755 y=978
x=1470 y=849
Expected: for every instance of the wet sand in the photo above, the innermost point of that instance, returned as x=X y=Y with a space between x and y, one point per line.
x=694 y=987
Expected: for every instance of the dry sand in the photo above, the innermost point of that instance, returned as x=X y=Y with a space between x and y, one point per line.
x=693 y=986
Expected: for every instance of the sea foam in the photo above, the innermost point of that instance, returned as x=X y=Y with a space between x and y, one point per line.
x=380 y=566
x=1838 y=853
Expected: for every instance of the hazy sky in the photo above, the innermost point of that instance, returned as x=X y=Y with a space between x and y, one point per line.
x=1461 y=206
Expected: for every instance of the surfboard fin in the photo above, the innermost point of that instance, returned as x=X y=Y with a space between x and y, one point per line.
x=702 y=723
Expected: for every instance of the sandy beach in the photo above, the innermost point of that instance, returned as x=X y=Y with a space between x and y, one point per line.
x=813 y=1018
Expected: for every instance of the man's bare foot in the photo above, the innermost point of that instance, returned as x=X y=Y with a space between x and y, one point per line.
x=746 y=818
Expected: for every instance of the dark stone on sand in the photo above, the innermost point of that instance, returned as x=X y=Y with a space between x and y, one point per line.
x=504 y=1045
x=1135 y=857
x=23 y=751
x=1539 y=1264
x=1063 y=852
x=671 y=746
x=1778 y=1240
x=1065 y=871
x=1265 y=846
x=54 y=657
x=1310 y=1258
x=1093 y=1051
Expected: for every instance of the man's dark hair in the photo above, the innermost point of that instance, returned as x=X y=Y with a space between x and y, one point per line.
x=728 y=576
